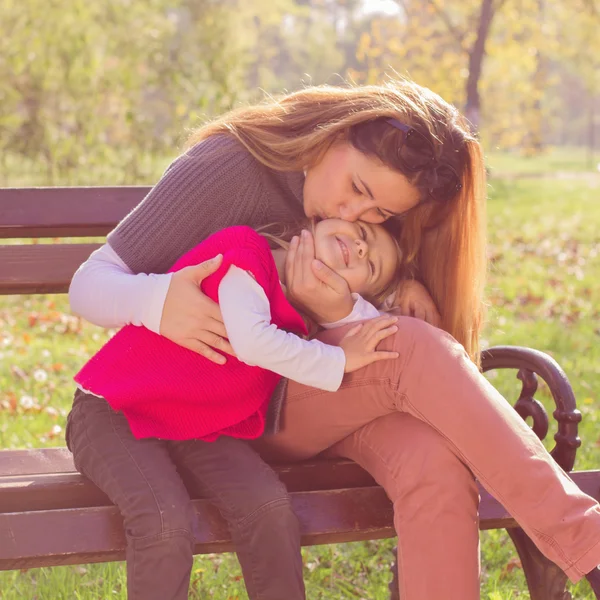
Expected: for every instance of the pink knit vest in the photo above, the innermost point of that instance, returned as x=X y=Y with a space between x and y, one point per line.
x=170 y=392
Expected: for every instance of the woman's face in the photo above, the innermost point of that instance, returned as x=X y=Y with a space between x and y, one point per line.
x=365 y=255
x=347 y=184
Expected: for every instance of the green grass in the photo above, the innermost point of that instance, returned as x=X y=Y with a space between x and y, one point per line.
x=551 y=161
x=544 y=244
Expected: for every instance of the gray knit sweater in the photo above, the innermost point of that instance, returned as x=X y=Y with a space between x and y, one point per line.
x=215 y=184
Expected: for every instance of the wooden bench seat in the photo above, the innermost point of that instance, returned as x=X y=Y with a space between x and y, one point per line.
x=40 y=491
x=52 y=515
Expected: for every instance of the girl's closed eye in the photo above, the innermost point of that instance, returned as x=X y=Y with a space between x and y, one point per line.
x=355 y=189
x=363 y=234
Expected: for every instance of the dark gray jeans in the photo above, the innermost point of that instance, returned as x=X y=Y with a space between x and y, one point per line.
x=142 y=478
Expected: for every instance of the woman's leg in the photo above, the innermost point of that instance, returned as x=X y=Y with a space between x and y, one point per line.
x=141 y=479
x=257 y=507
x=435 y=505
x=434 y=381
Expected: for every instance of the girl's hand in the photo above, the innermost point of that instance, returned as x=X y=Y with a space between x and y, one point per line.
x=360 y=343
x=190 y=318
x=321 y=292
x=413 y=300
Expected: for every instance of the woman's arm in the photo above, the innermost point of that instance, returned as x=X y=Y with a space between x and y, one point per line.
x=214 y=185
x=133 y=299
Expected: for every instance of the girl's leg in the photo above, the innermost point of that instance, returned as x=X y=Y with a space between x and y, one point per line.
x=435 y=505
x=257 y=507
x=434 y=381
x=141 y=479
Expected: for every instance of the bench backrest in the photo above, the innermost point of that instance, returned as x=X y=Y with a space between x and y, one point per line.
x=28 y=214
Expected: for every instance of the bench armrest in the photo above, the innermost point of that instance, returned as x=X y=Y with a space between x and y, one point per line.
x=531 y=363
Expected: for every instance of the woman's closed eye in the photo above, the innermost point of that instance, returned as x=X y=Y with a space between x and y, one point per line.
x=380 y=213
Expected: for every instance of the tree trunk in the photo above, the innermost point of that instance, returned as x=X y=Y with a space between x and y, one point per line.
x=476 y=56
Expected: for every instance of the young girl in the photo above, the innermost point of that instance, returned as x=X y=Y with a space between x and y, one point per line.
x=169 y=392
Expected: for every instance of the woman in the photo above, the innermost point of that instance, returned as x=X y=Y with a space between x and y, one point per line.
x=373 y=153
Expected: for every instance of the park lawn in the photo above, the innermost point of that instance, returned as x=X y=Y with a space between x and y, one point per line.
x=544 y=240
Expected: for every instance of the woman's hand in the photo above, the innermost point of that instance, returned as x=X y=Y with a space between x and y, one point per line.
x=190 y=318
x=360 y=343
x=321 y=292
x=413 y=300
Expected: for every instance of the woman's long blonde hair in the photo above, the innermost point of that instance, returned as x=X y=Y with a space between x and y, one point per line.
x=443 y=241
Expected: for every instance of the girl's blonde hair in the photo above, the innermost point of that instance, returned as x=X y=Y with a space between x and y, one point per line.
x=443 y=240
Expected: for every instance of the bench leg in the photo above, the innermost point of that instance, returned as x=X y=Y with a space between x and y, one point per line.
x=394 y=594
x=545 y=580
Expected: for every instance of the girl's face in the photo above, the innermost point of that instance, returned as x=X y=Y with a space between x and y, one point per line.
x=347 y=184
x=365 y=255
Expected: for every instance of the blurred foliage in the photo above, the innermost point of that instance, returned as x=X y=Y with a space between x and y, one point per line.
x=88 y=85
x=540 y=79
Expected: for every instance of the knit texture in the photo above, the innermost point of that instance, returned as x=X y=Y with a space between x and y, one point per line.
x=214 y=185
x=169 y=392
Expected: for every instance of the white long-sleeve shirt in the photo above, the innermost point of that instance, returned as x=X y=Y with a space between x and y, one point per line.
x=105 y=292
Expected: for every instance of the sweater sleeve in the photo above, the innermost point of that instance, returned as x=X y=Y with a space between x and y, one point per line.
x=216 y=184
x=257 y=342
x=105 y=292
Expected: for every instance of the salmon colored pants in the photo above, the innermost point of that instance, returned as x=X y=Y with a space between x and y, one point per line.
x=424 y=425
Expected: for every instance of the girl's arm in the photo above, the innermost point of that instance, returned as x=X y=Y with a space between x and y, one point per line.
x=257 y=342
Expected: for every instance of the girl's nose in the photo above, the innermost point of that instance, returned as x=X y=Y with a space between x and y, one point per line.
x=362 y=248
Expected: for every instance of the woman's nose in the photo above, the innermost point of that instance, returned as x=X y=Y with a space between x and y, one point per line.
x=362 y=248
x=352 y=210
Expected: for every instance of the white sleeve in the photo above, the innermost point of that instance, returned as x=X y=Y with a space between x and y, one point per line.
x=105 y=292
x=361 y=311
x=257 y=342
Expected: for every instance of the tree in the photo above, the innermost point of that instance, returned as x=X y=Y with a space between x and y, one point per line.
x=477 y=21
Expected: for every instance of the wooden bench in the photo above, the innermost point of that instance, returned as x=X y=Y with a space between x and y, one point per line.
x=51 y=515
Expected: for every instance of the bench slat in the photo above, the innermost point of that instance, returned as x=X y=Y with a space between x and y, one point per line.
x=65 y=211
x=84 y=535
x=72 y=490
x=317 y=474
x=35 y=461
x=45 y=478
x=40 y=268
x=76 y=536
